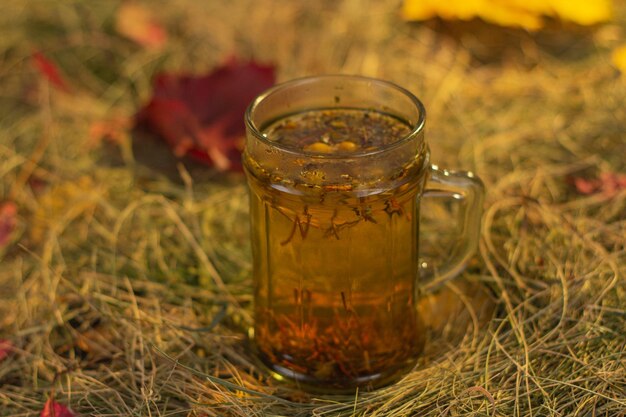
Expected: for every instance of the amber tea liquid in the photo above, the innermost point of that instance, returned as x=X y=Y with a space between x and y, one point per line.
x=335 y=269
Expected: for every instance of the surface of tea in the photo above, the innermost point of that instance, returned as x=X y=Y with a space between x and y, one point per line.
x=337 y=130
x=335 y=272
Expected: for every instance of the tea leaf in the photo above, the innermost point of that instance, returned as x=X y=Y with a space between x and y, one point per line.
x=202 y=116
x=515 y=13
x=137 y=24
x=54 y=409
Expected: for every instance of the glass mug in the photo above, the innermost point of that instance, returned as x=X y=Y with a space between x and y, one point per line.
x=335 y=236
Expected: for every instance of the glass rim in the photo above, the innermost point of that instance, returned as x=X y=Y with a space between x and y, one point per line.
x=416 y=127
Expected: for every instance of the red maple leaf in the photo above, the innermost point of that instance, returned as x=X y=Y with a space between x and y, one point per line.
x=54 y=409
x=50 y=71
x=8 y=213
x=5 y=348
x=202 y=116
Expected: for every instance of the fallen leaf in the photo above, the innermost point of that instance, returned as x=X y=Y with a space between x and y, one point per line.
x=50 y=71
x=608 y=183
x=527 y=14
x=5 y=348
x=114 y=130
x=98 y=342
x=37 y=184
x=61 y=204
x=619 y=58
x=203 y=116
x=54 y=409
x=8 y=221
x=583 y=12
x=136 y=22
x=585 y=186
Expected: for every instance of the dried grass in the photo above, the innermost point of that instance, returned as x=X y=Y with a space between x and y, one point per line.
x=133 y=297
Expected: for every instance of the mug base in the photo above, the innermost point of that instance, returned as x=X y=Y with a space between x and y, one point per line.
x=311 y=384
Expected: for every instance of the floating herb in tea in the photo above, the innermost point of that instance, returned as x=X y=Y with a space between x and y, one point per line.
x=337 y=131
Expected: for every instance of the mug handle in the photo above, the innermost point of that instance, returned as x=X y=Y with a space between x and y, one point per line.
x=468 y=190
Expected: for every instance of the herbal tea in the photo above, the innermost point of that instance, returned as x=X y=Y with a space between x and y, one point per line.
x=337 y=166
x=335 y=268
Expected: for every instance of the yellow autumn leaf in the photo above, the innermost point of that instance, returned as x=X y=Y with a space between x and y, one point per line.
x=583 y=12
x=505 y=15
x=619 y=58
x=137 y=23
x=62 y=204
x=528 y=14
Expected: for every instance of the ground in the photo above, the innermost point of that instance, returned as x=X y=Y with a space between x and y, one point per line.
x=125 y=283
